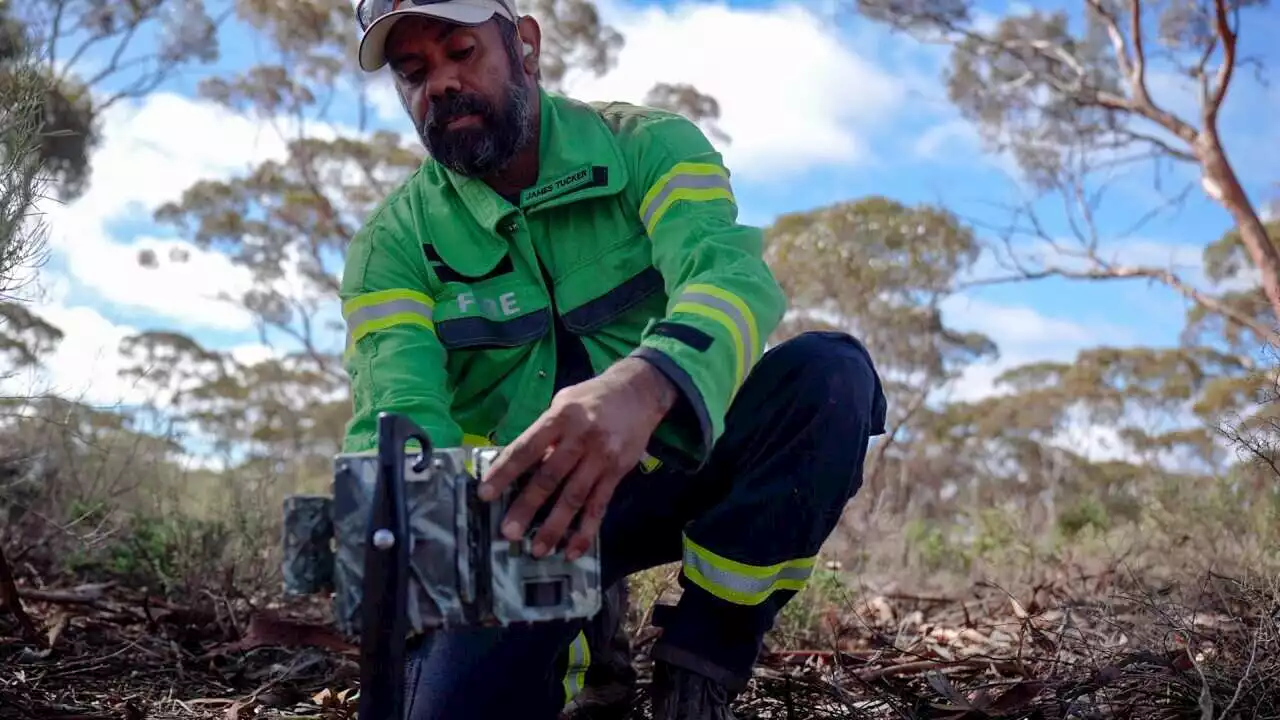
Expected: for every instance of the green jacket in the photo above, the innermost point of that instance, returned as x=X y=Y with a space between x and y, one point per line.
x=634 y=220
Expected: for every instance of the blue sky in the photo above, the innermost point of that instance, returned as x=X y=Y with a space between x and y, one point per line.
x=822 y=107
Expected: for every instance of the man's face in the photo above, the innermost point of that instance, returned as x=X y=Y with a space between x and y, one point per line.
x=465 y=90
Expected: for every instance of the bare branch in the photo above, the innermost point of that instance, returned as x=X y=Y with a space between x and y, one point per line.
x=1138 y=75
x=1107 y=271
x=1135 y=73
x=1223 y=80
x=1162 y=145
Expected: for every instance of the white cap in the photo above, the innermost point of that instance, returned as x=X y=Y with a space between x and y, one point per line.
x=381 y=16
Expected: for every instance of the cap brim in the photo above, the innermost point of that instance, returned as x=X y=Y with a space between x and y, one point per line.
x=373 y=45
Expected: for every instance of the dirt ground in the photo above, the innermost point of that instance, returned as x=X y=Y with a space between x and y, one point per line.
x=1087 y=647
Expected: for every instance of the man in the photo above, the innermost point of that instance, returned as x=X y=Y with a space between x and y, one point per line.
x=570 y=281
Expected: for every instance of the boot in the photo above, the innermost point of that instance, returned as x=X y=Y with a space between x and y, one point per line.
x=610 y=683
x=680 y=694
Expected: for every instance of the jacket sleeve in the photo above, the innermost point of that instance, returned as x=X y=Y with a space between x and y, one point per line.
x=393 y=357
x=724 y=301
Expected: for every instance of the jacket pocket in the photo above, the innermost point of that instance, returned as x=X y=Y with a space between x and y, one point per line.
x=499 y=313
x=625 y=273
x=476 y=332
x=594 y=314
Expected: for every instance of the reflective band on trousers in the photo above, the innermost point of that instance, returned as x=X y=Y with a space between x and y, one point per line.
x=575 y=676
x=386 y=308
x=694 y=182
x=739 y=583
x=730 y=311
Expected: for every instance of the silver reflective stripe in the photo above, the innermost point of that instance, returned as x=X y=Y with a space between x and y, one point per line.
x=385 y=309
x=739 y=322
x=679 y=182
x=745 y=586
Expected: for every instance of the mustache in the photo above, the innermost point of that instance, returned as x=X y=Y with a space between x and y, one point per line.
x=453 y=106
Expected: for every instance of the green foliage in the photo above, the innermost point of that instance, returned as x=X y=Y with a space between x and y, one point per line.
x=931 y=546
x=992 y=76
x=801 y=618
x=33 y=39
x=1228 y=260
x=1077 y=107
x=25 y=338
x=1082 y=515
x=169 y=554
x=966 y=486
x=23 y=136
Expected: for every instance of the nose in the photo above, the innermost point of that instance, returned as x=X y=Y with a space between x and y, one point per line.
x=442 y=81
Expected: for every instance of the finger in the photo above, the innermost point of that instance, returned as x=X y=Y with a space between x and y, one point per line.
x=517 y=458
x=541 y=486
x=597 y=506
x=573 y=497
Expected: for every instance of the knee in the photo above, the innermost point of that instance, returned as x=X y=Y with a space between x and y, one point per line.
x=445 y=668
x=825 y=367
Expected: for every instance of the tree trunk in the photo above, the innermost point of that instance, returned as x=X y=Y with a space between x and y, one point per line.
x=1253 y=234
x=10 y=601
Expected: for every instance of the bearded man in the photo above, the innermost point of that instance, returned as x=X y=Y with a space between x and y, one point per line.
x=570 y=281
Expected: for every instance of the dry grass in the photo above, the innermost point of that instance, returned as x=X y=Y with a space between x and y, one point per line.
x=1107 y=645
x=1172 y=612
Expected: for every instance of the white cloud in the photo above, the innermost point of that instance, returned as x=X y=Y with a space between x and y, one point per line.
x=783 y=117
x=957 y=142
x=153 y=151
x=1023 y=335
x=156 y=148
x=254 y=353
x=187 y=292
x=1098 y=443
x=940 y=142
x=1016 y=328
x=381 y=94
x=86 y=364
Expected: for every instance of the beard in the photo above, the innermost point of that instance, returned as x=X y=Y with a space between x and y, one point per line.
x=487 y=147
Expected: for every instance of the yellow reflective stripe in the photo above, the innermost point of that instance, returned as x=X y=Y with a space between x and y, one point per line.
x=743 y=315
x=380 y=310
x=575 y=675
x=471 y=441
x=731 y=312
x=382 y=323
x=740 y=583
x=693 y=182
x=649 y=463
x=379 y=297
x=709 y=312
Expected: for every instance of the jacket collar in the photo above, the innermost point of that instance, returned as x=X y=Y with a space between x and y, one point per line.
x=578 y=158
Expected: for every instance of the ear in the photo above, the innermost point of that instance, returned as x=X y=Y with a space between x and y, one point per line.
x=530 y=42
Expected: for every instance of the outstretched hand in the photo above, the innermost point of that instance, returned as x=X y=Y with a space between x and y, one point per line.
x=593 y=434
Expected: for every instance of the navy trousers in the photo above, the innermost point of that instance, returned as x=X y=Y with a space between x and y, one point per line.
x=745 y=528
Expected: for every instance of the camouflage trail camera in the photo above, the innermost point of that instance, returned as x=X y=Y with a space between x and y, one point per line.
x=404 y=543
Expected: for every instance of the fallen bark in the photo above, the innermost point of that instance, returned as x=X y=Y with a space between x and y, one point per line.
x=87 y=595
